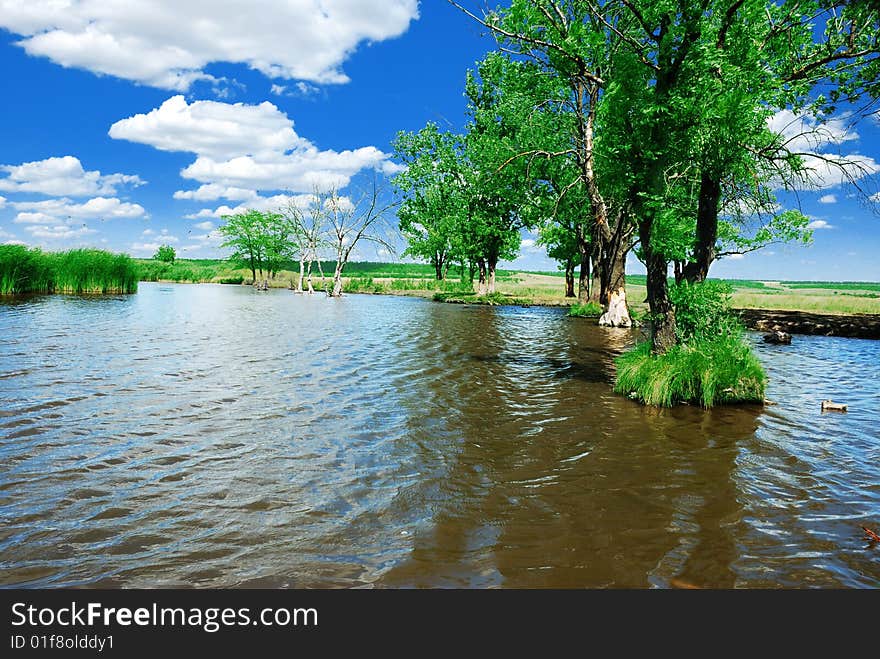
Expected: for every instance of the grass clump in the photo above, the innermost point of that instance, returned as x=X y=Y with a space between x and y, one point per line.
x=586 y=310
x=24 y=270
x=708 y=372
x=231 y=280
x=712 y=363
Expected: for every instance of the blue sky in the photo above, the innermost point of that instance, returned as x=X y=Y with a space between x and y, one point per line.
x=127 y=125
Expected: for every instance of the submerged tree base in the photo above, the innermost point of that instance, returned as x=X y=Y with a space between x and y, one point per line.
x=712 y=372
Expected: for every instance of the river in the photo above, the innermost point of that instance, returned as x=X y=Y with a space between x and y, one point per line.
x=214 y=436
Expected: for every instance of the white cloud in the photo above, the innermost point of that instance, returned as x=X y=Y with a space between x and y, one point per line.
x=2 y=202
x=211 y=191
x=144 y=248
x=62 y=176
x=56 y=210
x=167 y=43
x=246 y=147
x=811 y=139
x=272 y=203
x=735 y=257
x=277 y=90
x=58 y=232
x=205 y=226
x=15 y=242
x=828 y=199
x=147 y=232
x=306 y=89
x=819 y=224
x=875 y=197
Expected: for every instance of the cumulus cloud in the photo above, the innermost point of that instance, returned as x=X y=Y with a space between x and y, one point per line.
x=277 y=90
x=875 y=197
x=828 y=199
x=301 y=201
x=243 y=148
x=168 y=43
x=55 y=210
x=2 y=202
x=205 y=226
x=58 y=231
x=212 y=192
x=64 y=176
x=812 y=139
x=819 y=224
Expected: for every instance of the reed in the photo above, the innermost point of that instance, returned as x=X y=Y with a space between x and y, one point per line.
x=29 y=270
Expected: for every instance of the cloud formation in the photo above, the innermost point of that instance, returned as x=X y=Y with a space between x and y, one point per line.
x=62 y=176
x=168 y=43
x=243 y=148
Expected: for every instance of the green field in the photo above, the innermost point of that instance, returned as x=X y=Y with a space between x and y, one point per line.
x=520 y=287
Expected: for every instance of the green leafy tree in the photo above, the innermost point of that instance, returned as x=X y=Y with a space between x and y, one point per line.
x=242 y=233
x=165 y=253
x=434 y=189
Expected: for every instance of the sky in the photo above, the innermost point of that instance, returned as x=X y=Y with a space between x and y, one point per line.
x=126 y=125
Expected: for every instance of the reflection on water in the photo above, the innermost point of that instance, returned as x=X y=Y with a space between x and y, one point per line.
x=215 y=436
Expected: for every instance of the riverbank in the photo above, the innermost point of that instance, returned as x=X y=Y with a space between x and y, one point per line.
x=859 y=326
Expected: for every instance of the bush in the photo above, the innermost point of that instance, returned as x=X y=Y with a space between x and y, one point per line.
x=712 y=363
x=706 y=371
x=165 y=253
x=702 y=311
x=586 y=310
x=232 y=280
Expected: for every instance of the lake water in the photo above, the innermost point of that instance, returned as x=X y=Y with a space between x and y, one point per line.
x=215 y=436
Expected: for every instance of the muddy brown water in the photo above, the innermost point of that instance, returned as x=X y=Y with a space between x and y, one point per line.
x=213 y=436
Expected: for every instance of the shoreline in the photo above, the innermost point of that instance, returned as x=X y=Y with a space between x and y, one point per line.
x=811 y=323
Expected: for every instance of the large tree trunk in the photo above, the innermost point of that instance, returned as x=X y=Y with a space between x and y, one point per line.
x=662 y=311
x=584 y=275
x=598 y=294
x=482 y=286
x=569 y=278
x=437 y=261
x=707 y=230
x=616 y=311
x=490 y=288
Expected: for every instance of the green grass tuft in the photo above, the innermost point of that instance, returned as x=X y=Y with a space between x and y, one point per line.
x=24 y=270
x=586 y=310
x=707 y=372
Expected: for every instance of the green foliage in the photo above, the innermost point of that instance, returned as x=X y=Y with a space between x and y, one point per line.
x=24 y=270
x=702 y=311
x=707 y=372
x=231 y=280
x=587 y=310
x=165 y=253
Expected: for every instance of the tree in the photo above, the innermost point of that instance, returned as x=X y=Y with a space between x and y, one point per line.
x=349 y=222
x=573 y=46
x=434 y=192
x=243 y=234
x=165 y=253
x=308 y=237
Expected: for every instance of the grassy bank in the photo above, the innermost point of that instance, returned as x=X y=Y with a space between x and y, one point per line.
x=24 y=270
x=516 y=287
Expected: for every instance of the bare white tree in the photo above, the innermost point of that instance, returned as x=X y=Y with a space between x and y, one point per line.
x=350 y=221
